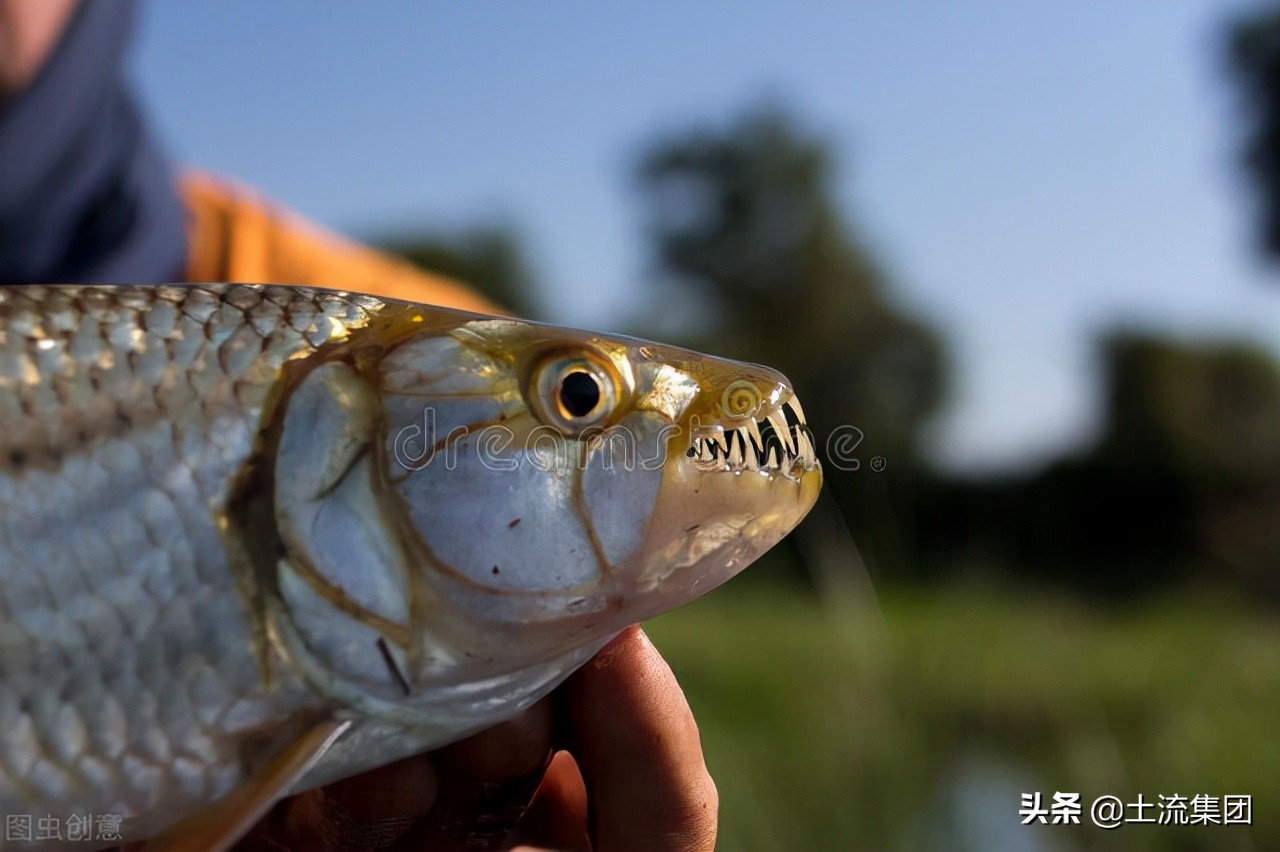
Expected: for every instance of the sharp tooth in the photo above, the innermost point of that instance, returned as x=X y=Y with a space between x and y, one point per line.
x=779 y=421
x=724 y=443
x=753 y=429
x=806 y=446
x=794 y=402
x=771 y=458
x=735 y=449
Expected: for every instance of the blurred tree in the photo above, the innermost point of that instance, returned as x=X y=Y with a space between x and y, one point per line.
x=489 y=258
x=1196 y=428
x=1206 y=412
x=1255 y=61
x=1183 y=483
x=755 y=262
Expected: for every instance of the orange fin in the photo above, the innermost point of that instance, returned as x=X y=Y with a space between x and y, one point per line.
x=217 y=826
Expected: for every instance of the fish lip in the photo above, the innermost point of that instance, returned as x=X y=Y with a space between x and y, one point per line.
x=774 y=441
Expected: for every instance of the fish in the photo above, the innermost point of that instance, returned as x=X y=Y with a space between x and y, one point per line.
x=255 y=539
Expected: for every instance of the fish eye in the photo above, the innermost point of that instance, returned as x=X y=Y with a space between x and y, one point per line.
x=579 y=393
x=574 y=392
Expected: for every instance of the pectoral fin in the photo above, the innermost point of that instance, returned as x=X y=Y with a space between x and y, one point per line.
x=217 y=826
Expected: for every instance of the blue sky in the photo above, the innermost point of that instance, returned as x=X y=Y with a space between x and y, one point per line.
x=1028 y=173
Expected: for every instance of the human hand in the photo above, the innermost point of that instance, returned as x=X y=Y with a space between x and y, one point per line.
x=631 y=777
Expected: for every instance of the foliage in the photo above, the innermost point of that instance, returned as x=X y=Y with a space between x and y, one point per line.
x=1203 y=411
x=1183 y=483
x=1254 y=53
x=917 y=725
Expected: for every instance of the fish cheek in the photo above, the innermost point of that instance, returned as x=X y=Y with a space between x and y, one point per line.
x=501 y=520
x=619 y=491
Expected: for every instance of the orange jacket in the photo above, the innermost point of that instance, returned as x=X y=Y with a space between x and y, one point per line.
x=234 y=234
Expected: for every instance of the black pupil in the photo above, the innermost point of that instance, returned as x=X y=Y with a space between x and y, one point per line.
x=579 y=393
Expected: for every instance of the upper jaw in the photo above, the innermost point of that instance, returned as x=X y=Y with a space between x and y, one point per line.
x=774 y=442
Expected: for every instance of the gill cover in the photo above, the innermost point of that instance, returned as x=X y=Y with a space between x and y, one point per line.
x=343 y=580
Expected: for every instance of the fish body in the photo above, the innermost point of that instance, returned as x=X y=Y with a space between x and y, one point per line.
x=227 y=511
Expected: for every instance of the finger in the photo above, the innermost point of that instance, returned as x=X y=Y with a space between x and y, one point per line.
x=637 y=744
x=557 y=819
x=368 y=811
x=486 y=784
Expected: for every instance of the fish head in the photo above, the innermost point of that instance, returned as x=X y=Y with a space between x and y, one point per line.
x=528 y=492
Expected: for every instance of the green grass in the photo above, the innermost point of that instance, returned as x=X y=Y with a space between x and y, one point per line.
x=917 y=724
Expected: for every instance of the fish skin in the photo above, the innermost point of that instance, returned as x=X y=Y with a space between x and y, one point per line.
x=115 y=448
x=152 y=651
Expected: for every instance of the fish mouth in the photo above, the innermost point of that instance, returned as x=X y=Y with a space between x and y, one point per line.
x=777 y=443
